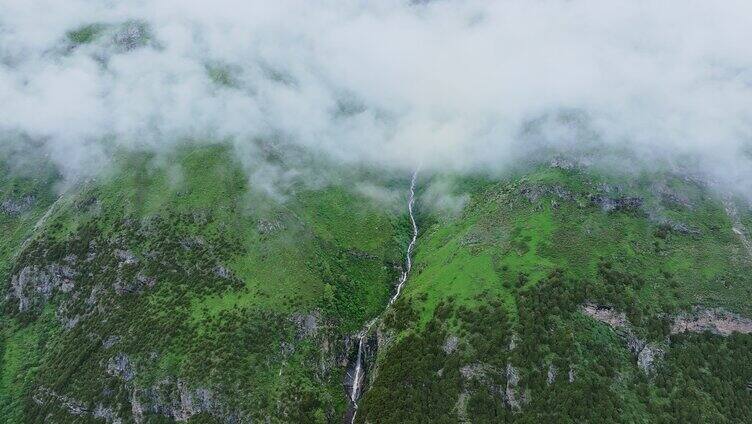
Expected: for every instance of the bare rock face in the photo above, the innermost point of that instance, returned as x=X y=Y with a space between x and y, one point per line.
x=266 y=227
x=45 y=396
x=174 y=399
x=512 y=395
x=307 y=325
x=551 y=374
x=716 y=321
x=738 y=229
x=610 y=199
x=605 y=315
x=121 y=366
x=476 y=371
x=563 y=163
x=612 y=204
x=671 y=197
x=450 y=344
x=33 y=286
x=646 y=353
x=679 y=227
x=461 y=407
x=15 y=207
x=535 y=192
x=570 y=375
x=131 y=36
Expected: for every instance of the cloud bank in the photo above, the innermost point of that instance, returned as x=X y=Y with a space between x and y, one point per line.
x=448 y=84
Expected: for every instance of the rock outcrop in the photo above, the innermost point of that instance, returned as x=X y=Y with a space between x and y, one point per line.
x=646 y=353
x=716 y=321
x=34 y=285
x=15 y=207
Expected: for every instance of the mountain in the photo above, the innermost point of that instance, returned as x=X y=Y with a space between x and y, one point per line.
x=174 y=287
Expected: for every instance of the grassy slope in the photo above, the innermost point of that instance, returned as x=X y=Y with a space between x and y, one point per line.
x=503 y=245
x=482 y=276
x=328 y=249
x=501 y=234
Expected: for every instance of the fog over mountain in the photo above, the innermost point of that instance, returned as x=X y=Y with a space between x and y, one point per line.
x=452 y=84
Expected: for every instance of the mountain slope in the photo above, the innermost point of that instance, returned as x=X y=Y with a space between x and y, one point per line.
x=176 y=288
x=561 y=295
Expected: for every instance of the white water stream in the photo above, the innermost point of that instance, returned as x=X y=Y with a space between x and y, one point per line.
x=359 y=374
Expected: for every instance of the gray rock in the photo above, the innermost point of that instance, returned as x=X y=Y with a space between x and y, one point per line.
x=110 y=341
x=33 y=286
x=266 y=227
x=551 y=374
x=15 y=207
x=131 y=36
x=645 y=353
x=450 y=344
x=614 y=204
x=511 y=394
x=647 y=357
x=174 y=399
x=125 y=257
x=120 y=366
x=307 y=325
x=717 y=321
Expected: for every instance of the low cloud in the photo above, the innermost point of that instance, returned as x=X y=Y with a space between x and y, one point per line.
x=451 y=84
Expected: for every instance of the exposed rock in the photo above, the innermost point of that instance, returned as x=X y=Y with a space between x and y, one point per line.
x=679 y=227
x=563 y=163
x=120 y=366
x=645 y=353
x=110 y=341
x=461 y=407
x=476 y=371
x=136 y=285
x=605 y=315
x=131 y=36
x=513 y=341
x=511 y=393
x=15 y=207
x=44 y=396
x=107 y=414
x=737 y=226
x=670 y=197
x=551 y=374
x=33 y=286
x=570 y=375
x=647 y=356
x=716 y=321
x=535 y=192
x=125 y=257
x=222 y=272
x=450 y=344
x=266 y=227
x=176 y=400
x=612 y=204
x=307 y=325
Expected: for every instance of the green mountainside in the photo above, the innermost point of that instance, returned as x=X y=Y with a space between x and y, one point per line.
x=176 y=288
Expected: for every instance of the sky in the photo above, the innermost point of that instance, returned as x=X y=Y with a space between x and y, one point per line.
x=447 y=84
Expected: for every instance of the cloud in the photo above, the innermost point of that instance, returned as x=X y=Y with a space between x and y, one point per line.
x=452 y=84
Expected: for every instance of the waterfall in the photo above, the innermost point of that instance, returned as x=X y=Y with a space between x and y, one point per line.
x=358 y=377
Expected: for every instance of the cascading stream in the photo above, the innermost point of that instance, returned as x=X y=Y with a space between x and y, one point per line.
x=359 y=373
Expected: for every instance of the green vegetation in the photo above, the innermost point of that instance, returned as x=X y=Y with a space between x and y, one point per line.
x=522 y=258
x=85 y=34
x=178 y=276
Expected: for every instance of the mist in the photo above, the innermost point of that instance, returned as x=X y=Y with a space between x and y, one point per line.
x=445 y=85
